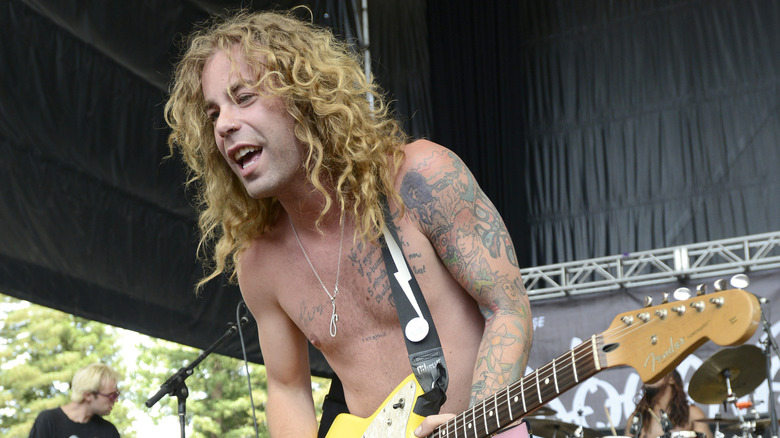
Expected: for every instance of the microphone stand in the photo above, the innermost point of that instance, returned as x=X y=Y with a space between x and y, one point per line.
x=767 y=343
x=175 y=384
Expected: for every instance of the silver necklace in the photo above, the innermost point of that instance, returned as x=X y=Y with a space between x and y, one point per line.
x=334 y=317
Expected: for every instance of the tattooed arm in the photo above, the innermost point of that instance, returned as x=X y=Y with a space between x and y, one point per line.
x=473 y=242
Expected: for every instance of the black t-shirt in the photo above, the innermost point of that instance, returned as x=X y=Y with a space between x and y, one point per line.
x=53 y=423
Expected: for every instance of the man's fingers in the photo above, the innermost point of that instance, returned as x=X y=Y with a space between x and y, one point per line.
x=430 y=423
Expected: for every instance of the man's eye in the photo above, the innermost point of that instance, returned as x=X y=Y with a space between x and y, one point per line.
x=244 y=97
x=213 y=116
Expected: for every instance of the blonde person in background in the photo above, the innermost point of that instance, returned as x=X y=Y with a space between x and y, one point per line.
x=93 y=394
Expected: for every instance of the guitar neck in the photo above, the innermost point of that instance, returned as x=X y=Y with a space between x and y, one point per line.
x=654 y=340
x=527 y=394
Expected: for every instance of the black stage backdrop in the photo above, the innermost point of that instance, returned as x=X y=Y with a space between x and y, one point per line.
x=603 y=127
x=597 y=127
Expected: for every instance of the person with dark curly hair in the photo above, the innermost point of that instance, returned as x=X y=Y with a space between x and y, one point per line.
x=295 y=154
x=664 y=410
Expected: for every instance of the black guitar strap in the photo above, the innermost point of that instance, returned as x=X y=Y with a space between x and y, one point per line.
x=422 y=341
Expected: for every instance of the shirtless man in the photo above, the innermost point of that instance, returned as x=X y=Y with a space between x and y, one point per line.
x=666 y=398
x=292 y=162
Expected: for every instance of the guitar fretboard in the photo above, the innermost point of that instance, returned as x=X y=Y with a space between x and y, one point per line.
x=526 y=395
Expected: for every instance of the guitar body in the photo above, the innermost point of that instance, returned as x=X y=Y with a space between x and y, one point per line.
x=395 y=418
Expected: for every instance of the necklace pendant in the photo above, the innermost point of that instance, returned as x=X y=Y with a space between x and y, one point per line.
x=334 y=317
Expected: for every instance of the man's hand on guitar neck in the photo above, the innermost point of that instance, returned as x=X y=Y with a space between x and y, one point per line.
x=430 y=423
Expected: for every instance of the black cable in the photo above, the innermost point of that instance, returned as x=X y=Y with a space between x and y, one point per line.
x=246 y=364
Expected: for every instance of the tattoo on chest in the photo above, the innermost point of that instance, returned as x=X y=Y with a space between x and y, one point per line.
x=374 y=337
x=369 y=264
x=309 y=313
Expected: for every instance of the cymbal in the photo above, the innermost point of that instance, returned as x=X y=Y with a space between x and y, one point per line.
x=543 y=411
x=557 y=429
x=762 y=424
x=717 y=420
x=746 y=367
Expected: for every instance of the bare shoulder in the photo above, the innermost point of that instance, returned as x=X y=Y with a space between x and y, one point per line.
x=420 y=154
x=695 y=412
x=433 y=174
x=422 y=145
x=257 y=271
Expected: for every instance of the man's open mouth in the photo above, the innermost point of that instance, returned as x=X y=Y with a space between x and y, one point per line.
x=247 y=155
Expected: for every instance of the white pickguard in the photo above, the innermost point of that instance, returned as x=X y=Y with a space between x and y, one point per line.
x=392 y=419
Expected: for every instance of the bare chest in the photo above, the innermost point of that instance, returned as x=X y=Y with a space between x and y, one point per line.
x=357 y=309
x=354 y=301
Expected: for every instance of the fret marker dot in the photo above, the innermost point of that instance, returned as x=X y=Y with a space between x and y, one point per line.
x=547 y=381
x=491 y=413
x=515 y=399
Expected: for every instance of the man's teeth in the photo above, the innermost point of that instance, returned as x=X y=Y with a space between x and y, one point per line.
x=243 y=152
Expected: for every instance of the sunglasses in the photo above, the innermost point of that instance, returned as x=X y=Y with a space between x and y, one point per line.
x=111 y=396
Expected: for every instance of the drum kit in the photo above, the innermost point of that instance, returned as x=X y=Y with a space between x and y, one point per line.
x=723 y=378
x=557 y=429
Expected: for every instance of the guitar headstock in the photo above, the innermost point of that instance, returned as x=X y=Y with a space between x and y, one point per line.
x=654 y=340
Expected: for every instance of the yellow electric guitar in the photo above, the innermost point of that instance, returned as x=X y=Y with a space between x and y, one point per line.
x=652 y=340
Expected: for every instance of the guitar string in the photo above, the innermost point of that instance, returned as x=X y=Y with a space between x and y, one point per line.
x=583 y=350
x=479 y=412
x=562 y=366
x=504 y=406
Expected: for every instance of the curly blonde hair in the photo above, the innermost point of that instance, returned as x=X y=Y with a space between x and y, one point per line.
x=351 y=141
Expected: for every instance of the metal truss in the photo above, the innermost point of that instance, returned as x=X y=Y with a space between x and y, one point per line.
x=715 y=258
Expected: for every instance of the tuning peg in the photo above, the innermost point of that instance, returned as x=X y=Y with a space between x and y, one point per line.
x=648 y=301
x=740 y=281
x=721 y=284
x=718 y=302
x=666 y=298
x=701 y=290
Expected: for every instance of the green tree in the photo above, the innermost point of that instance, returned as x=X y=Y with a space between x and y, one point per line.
x=40 y=350
x=218 y=404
